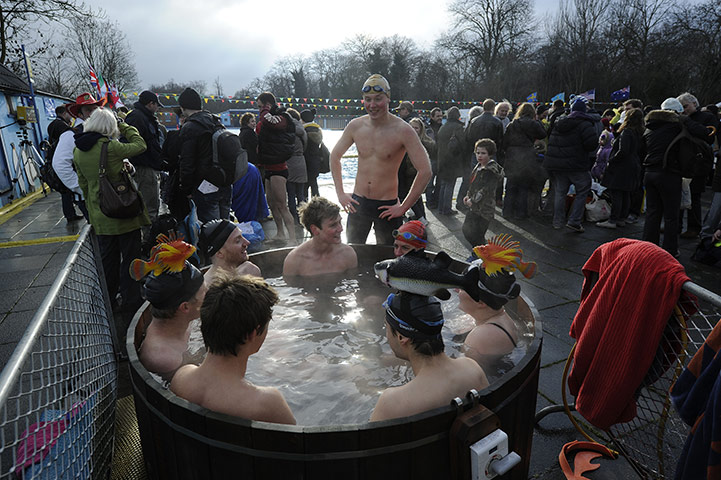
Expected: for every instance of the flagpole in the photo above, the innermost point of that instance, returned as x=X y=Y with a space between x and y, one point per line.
x=32 y=95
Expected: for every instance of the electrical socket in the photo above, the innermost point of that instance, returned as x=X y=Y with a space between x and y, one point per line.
x=492 y=447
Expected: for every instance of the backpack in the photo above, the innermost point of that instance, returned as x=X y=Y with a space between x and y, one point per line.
x=695 y=156
x=230 y=159
x=324 y=159
x=47 y=172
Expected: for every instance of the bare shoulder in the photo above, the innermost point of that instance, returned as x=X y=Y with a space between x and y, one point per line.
x=474 y=371
x=160 y=357
x=390 y=405
x=185 y=384
x=273 y=406
x=294 y=260
x=350 y=258
x=249 y=268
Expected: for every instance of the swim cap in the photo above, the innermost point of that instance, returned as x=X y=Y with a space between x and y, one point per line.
x=375 y=84
x=168 y=290
x=417 y=234
x=495 y=290
x=213 y=235
x=414 y=316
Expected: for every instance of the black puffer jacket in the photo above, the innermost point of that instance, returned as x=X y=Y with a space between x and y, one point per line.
x=149 y=128
x=662 y=126
x=449 y=160
x=484 y=125
x=276 y=143
x=572 y=138
x=521 y=164
x=196 y=151
x=624 y=165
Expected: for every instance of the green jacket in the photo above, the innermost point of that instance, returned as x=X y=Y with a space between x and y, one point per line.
x=482 y=188
x=87 y=165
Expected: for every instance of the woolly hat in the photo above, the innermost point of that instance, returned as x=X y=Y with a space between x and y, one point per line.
x=672 y=104
x=190 y=99
x=170 y=289
x=414 y=316
x=147 y=96
x=308 y=115
x=214 y=234
x=417 y=230
x=579 y=105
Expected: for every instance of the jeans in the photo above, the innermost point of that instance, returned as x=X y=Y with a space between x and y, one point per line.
x=712 y=220
x=213 y=205
x=117 y=252
x=620 y=205
x=432 y=187
x=445 y=195
x=663 y=200
x=465 y=183
x=296 y=196
x=562 y=181
x=515 y=202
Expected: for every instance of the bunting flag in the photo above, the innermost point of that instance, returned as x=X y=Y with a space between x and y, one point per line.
x=623 y=94
x=94 y=80
x=532 y=97
x=588 y=95
x=561 y=96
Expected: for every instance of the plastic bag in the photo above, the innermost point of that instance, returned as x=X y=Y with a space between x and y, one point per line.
x=598 y=209
x=252 y=231
x=685 y=194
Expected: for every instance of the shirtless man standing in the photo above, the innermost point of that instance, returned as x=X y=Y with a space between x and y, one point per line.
x=324 y=252
x=234 y=323
x=227 y=249
x=382 y=139
x=413 y=328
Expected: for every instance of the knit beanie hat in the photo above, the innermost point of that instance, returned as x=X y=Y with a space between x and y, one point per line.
x=672 y=104
x=579 y=105
x=190 y=99
x=214 y=234
x=308 y=115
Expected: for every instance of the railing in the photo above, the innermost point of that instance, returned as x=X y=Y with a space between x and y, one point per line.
x=58 y=390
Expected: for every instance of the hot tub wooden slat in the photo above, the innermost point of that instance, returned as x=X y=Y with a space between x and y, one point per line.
x=161 y=433
x=323 y=439
x=274 y=440
x=227 y=463
x=432 y=460
x=396 y=465
x=192 y=454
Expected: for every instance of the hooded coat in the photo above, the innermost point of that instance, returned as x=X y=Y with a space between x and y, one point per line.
x=87 y=162
x=149 y=128
x=572 y=139
x=662 y=126
x=520 y=154
x=449 y=160
x=623 y=171
x=196 y=150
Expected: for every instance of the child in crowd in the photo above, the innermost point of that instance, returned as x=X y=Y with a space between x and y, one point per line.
x=481 y=197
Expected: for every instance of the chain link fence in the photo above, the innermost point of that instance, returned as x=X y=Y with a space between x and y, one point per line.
x=59 y=388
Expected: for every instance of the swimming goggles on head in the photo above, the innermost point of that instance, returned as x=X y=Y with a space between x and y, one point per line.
x=375 y=88
x=407 y=236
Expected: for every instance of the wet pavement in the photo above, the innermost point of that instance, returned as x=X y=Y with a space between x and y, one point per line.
x=35 y=241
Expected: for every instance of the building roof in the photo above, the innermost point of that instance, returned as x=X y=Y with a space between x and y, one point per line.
x=10 y=81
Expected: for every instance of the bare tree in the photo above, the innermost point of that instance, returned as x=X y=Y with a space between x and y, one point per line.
x=54 y=74
x=218 y=87
x=17 y=15
x=99 y=43
x=173 y=87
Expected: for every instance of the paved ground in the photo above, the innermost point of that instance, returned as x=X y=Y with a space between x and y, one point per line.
x=28 y=270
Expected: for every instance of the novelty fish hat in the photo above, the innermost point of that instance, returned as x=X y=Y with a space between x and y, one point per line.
x=414 y=316
x=501 y=254
x=171 y=279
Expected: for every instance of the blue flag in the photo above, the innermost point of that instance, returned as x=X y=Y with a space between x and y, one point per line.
x=561 y=96
x=622 y=94
x=532 y=97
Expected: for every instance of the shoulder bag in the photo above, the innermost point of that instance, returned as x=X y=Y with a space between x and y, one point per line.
x=117 y=199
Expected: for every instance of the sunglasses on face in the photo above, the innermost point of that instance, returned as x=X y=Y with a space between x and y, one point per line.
x=407 y=236
x=375 y=88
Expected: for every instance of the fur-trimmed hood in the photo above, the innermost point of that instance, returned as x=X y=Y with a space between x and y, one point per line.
x=664 y=116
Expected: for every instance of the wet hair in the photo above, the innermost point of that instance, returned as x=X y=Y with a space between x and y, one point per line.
x=486 y=143
x=102 y=121
x=428 y=348
x=246 y=118
x=316 y=210
x=293 y=113
x=267 y=97
x=233 y=308
x=421 y=320
x=526 y=110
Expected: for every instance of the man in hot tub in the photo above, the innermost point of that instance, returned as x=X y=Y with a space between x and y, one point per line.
x=234 y=323
x=413 y=329
x=324 y=252
x=227 y=249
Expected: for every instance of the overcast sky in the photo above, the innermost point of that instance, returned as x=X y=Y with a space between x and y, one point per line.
x=239 y=40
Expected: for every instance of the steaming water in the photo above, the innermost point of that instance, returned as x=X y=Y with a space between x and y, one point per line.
x=326 y=348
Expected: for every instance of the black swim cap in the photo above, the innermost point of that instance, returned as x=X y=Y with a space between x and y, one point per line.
x=495 y=290
x=168 y=290
x=414 y=316
x=213 y=235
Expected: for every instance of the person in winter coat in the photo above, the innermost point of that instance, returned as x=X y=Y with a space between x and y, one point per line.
x=312 y=150
x=623 y=172
x=567 y=162
x=118 y=238
x=486 y=125
x=663 y=181
x=406 y=172
x=248 y=137
x=297 y=172
x=450 y=155
x=521 y=167
x=481 y=197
